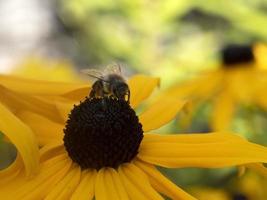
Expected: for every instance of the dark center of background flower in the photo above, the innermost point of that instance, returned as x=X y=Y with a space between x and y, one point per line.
x=239 y=197
x=234 y=54
x=102 y=132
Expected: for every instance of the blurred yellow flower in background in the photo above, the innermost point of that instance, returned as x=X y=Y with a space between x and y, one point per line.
x=248 y=186
x=46 y=69
x=240 y=81
x=204 y=193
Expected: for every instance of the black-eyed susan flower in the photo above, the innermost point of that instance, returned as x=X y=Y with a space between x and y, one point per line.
x=107 y=153
x=240 y=80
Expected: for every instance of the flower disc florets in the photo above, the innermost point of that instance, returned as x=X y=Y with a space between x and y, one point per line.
x=232 y=55
x=102 y=132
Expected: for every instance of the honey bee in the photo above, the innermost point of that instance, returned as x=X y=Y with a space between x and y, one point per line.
x=109 y=82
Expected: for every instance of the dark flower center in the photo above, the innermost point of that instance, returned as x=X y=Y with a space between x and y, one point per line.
x=102 y=132
x=232 y=55
x=239 y=197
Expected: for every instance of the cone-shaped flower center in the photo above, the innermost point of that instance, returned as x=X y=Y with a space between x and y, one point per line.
x=102 y=132
x=233 y=55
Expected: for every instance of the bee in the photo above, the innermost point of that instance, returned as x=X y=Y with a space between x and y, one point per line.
x=109 y=83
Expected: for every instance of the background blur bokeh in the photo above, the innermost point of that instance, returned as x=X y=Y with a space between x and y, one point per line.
x=175 y=40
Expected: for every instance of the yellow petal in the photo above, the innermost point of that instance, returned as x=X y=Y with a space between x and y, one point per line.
x=260 y=50
x=187 y=113
x=65 y=187
x=136 y=183
x=78 y=94
x=19 y=102
x=45 y=130
x=100 y=193
x=160 y=113
x=38 y=87
x=51 y=150
x=141 y=87
x=223 y=111
x=184 y=138
x=162 y=184
x=258 y=167
x=64 y=109
x=109 y=186
x=242 y=83
x=86 y=188
x=22 y=137
x=202 y=87
x=7 y=189
x=52 y=171
x=201 y=151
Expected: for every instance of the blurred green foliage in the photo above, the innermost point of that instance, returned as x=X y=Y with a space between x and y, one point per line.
x=172 y=39
x=7 y=152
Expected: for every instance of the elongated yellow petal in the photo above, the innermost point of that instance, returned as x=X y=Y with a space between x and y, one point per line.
x=201 y=153
x=223 y=111
x=64 y=109
x=136 y=183
x=141 y=87
x=22 y=137
x=109 y=186
x=19 y=102
x=38 y=87
x=202 y=87
x=52 y=171
x=7 y=189
x=86 y=188
x=185 y=138
x=52 y=149
x=65 y=187
x=159 y=113
x=100 y=194
x=78 y=94
x=45 y=130
x=113 y=176
x=162 y=184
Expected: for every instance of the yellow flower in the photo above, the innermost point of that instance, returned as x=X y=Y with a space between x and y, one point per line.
x=239 y=81
x=249 y=186
x=104 y=153
x=252 y=186
x=19 y=95
x=204 y=193
x=45 y=69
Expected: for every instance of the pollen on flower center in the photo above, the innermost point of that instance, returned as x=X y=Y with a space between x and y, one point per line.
x=232 y=55
x=102 y=132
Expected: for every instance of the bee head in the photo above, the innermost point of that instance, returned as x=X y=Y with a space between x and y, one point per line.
x=120 y=90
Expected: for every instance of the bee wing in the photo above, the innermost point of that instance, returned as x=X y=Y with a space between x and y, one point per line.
x=113 y=69
x=93 y=73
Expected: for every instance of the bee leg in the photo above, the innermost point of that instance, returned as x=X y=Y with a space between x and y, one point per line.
x=92 y=93
x=128 y=96
x=97 y=90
